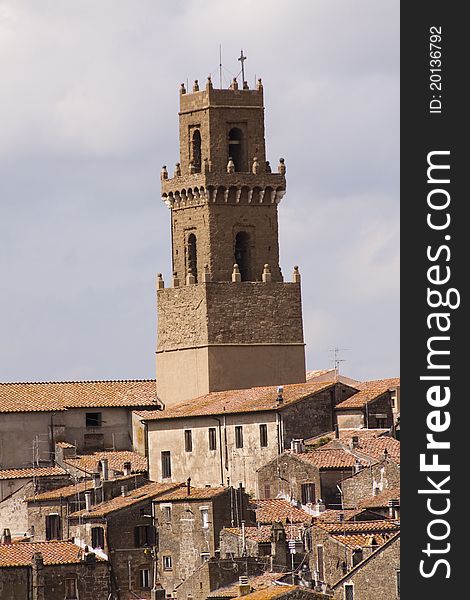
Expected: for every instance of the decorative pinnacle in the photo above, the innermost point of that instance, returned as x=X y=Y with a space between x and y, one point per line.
x=177 y=172
x=234 y=84
x=160 y=282
x=259 y=85
x=206 y=276
x=266 y=276
x=182 y=89
x=296 y=275
x=196 y=86
x=281 y=166
x=190 y=279
x=175 y=281
x=255 y=166
x=230 y=165
x=236 y=275
x=209 y=83
x=164 y=173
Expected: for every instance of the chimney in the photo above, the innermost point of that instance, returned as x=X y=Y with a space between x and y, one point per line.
x=127 y=468
x=123 y=490
x=37 y=576
x=104 y=469
x=188 y=486
x=320 y=506
x=393 y=504
x=336 y=431
x=297 y=446
x=88 y=500
x=355 y=441
x=357 y=465
x=6 y=536
x=341 y=517
x=280 y=392
x=243 y=586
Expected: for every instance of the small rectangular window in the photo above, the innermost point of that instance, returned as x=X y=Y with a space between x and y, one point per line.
x=166 y=464
x=267 y=491
x=320 y=564
x=97 y=537
x=93 y=419
x=205 y=556
x=167 y=563
x=239 y=436
x=348 y=591
x=144 y=579
x=188 y=440
x=307 y=492
x=263 y=436
x=52 y=527
x=205 y=518
x=142 y=536
x=166 y=514
x=212 y=438
x=71 y=588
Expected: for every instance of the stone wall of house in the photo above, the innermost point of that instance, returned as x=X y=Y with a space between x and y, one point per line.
x=284 y=476
x=369 y=481
x=375 y=579
x=337 y=557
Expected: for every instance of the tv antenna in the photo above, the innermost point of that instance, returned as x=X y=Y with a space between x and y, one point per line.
x=337 y=360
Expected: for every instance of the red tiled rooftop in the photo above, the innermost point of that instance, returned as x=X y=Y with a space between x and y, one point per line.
x=276 y=509
x=57 y=396
x=368 y=391
x=381 y=500
x=364 y=540
x=358 y=527
x=334 y=458
x=140 y=494
x=375 y=448
x=262 y=533
x=88 y=463
x=180 y=492
x=54 y=553
x=256 y=583
x=238 y=401
x=31 y=472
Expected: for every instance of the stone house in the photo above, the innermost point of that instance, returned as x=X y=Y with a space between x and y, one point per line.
x=122 y=529
x=338 y=547
x=370 y=407
x=370 y=481
x=308 y=477
x=377 y=577
x=219 y=578
x=226 y=436
x=52 y=571
x=92 y=415
x=119 y=462
x=385 y=503
x=18 y=484
x=49 y=512
x=189 y=521
x=286 y=592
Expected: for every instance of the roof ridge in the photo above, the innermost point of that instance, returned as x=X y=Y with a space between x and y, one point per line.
x=74 y=381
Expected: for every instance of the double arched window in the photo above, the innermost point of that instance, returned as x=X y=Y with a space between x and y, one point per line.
x=196 y=150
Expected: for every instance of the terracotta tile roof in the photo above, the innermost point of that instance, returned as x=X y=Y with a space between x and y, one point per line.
x=369 y=392
x=269 y=511
x=31 y=472
x=382 y=499
x=140 y=494
x=334 y=458
x=363 y=540
x=54 y=396
x=54 y=553
x=376 y=447
x=180 y=492
x=88 y=463
x=280 y=590
x=391 y=382
x=68 y=491
x=256 y=583
x=238 y=401
x=319 y=373
x=262 y=533
x=332 y=515
x=346 y=434
x=359 y=527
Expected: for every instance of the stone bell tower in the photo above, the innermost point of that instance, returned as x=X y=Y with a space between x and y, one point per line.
x=228 y=321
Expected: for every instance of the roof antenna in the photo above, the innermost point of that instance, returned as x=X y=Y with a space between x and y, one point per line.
x=220 y=66
x=338 y=360
x=242 y=60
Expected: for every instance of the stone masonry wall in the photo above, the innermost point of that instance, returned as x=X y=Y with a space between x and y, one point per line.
x=229 y=313
x=381 y=476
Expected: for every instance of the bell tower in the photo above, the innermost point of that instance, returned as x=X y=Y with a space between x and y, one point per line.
x=228 y=321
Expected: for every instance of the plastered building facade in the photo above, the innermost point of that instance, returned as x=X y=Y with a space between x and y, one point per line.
x=228 y=321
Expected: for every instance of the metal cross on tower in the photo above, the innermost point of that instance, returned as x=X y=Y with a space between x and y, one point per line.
x=242 y=60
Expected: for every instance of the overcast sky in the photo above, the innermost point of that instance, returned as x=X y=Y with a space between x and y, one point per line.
x=88 y=114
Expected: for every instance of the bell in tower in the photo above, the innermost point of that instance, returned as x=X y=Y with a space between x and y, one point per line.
x=229 y=321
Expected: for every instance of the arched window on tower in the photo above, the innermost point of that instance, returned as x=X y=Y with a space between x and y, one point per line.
x=242 y=254
x=191 y=255
x=236 y=149
x=196 y=151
